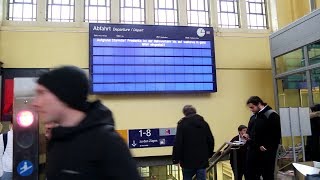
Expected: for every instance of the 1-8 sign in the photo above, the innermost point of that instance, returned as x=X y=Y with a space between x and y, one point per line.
x=141 y=138
x=145 y=132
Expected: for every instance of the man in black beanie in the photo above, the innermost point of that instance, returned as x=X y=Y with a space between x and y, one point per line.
x=84 y=144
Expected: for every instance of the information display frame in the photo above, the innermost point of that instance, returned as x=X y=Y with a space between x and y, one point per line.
x=151 y=59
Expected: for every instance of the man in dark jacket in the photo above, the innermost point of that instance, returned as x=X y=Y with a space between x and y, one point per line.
x=263 y=138
x=84 y=145
x=193 y=144
x=313 y=141
x=238 y=163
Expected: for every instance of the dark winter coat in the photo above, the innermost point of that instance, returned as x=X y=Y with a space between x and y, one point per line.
x=194 y=143
x=241 y=155
x=92 y=150
x=264 y=131
x=313 y=141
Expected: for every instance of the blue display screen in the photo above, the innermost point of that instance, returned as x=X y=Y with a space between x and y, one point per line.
x=143 y=58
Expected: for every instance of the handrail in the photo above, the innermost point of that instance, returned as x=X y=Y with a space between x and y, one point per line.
x=216 y=158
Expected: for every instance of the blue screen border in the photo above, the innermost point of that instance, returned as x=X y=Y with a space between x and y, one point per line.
x=157 y=31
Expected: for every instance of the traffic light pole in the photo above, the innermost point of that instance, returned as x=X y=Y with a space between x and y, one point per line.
x=25 y=131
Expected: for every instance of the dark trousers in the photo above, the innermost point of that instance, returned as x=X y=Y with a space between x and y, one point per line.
x=189 y=173
x=260 y=164
x=239 y=173
x=314 y=143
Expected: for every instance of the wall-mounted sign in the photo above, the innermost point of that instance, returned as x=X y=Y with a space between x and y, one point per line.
x=143 y=138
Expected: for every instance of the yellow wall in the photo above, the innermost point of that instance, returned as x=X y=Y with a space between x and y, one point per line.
x=47 y=49
x=291 y=10
x=38 y=49
x=243 y=64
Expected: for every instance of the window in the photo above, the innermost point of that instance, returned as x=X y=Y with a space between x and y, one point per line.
x=166 y=12
x=290 y=61
x=132 y=11
x=228 y=11
x=22 y=10
x=97 y=11
x=198 y=12
x=60 y=10
x=144 y=171
x=256 y=13
x=314 y=53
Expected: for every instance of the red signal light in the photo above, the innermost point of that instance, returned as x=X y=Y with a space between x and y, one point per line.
x=25 y=118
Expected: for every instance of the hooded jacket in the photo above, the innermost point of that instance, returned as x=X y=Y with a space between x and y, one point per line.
x=194 y=143
x=92 y=150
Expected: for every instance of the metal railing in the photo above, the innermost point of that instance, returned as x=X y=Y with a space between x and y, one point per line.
x=220 y=154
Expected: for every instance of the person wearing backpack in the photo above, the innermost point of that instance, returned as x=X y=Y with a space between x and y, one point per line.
x=263 y=138
x=7 y=153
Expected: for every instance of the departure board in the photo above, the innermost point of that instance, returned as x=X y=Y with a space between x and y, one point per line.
x=151 y=59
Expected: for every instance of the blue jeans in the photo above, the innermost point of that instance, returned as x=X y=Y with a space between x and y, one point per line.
x=189 y=173
x=6 y=176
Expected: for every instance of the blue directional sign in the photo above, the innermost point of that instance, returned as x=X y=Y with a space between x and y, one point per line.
x=25 y=168
x=142 y=138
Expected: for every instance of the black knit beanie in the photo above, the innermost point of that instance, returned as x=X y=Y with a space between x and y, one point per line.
x=70 y=84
